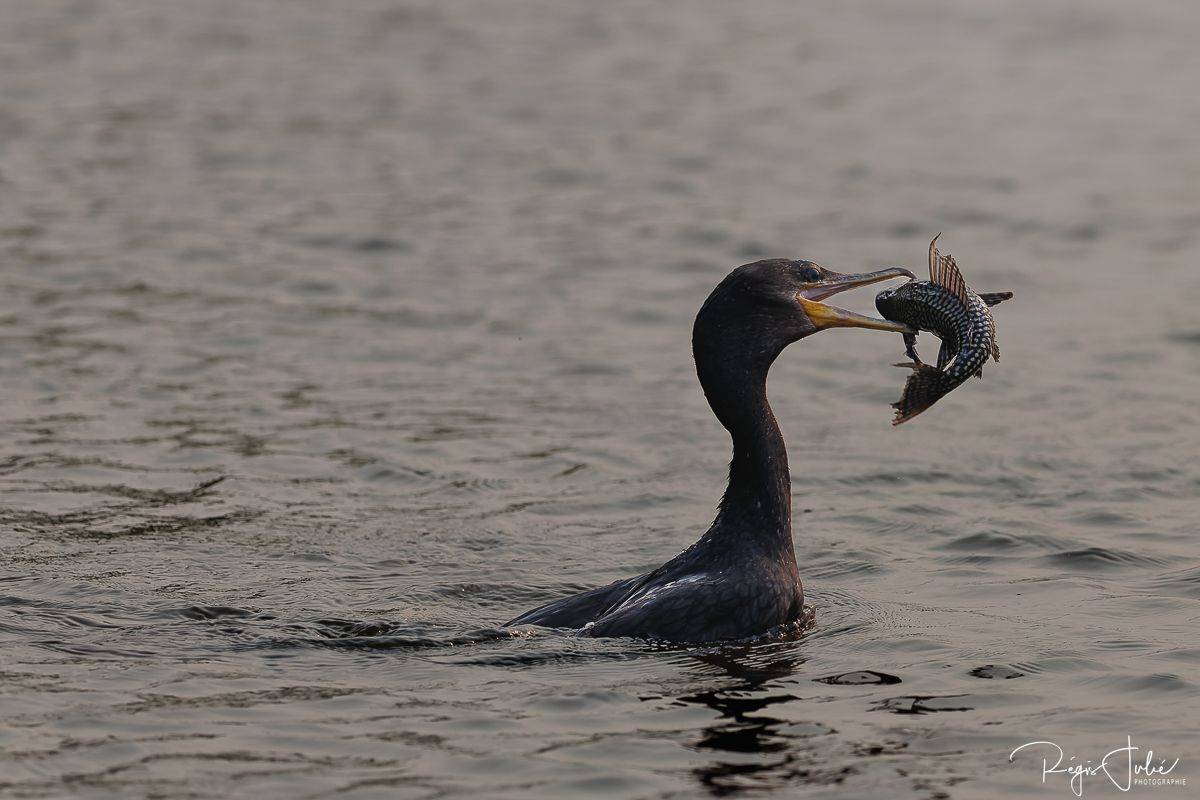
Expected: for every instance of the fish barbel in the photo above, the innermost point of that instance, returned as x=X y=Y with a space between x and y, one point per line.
x=944 y=306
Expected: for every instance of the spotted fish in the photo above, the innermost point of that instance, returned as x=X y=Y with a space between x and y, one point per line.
x=944 y=306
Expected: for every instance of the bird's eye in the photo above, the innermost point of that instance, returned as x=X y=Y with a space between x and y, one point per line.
x=810 y=275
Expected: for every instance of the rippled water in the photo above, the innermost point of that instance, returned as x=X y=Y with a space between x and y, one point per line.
x=416 y=279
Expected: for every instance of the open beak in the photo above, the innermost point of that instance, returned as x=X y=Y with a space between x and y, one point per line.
x=827 y=316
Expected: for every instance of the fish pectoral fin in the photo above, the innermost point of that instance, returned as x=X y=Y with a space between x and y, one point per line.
x=943 y=271
x=945 y=353
x=995 y=351
x=995 y=298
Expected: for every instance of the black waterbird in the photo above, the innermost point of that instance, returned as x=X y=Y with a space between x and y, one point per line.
x=740 y=580
x=942 y=305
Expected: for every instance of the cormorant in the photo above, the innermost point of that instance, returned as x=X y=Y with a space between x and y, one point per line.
x=740 y=580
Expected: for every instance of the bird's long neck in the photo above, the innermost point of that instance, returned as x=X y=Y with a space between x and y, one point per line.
x=758 y=501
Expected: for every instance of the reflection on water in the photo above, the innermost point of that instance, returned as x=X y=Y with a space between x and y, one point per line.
x=332 y=337
x=744 y=724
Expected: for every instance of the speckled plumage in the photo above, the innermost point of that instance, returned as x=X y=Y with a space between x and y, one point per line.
x=961 y=318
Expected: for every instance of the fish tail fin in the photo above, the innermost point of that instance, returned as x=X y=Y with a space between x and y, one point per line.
x=923 y=388
x=995 y=298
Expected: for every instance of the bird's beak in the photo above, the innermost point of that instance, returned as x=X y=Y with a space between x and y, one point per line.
x=826 y=316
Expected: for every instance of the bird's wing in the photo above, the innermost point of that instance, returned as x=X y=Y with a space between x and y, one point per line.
x=578 y=609
x=684 y=610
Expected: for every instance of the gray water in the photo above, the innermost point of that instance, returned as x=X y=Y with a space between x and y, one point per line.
x=416 y=279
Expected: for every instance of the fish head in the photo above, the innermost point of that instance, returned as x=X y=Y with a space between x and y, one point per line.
x=893 y=303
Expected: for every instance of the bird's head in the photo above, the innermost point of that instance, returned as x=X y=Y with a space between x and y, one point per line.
x=779 y=301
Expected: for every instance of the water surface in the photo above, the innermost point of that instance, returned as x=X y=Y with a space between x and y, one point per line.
x=417 y=279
